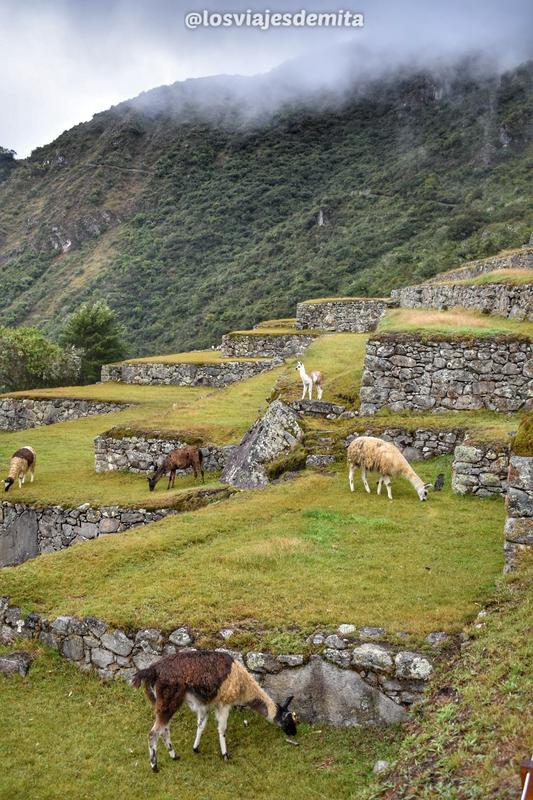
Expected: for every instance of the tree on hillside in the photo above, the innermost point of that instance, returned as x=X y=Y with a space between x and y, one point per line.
x=95 y=330
x=29 y=361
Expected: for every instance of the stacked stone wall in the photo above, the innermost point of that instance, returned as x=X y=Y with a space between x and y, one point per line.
x=257 y=345
x=505 y=300
x=215 y=374
x=520 y=259
x=480 y=468
x=518 y=530
x=355 y=316
x=21 y=413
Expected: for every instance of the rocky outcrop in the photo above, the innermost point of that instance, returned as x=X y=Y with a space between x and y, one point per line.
x=15 y=663
x=255 y=345
x=352 y=682
x=277 y=432
x=447 y=373
x=321 y=408
x=518 y=530
x=139 y=451
x=185 y=374
x=480 y=468
x=504 y=300
x=20 y=413
x=354 y=315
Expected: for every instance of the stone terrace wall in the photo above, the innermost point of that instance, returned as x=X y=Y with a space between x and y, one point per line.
x=480 y=468
x=251 y=345
x=443 y=373
x=216 y=375
x=139 y=453
x=518 y=530
x=27 y=531
x=355 y=316
x=419 y=444
x=515 y=302
x=353 y=681
x=20 y=413
x=521 y=259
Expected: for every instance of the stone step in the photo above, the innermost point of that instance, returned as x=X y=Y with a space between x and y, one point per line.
x=265 y=343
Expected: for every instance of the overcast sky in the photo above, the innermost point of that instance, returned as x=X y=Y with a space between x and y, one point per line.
x=61 y=61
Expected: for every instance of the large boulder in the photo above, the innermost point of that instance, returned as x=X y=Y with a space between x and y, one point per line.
x=277 y=432
x=19 y=537
x=325 y=693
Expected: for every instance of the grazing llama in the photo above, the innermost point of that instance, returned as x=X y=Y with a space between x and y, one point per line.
x=375 y=455
x=180 y=458
x=309 y=380
x=21 y=462
x=206 y=680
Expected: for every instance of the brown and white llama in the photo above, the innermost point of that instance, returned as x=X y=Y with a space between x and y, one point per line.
x=22 y=461
x=179 y=458
x=205 y=680
x=314 y=378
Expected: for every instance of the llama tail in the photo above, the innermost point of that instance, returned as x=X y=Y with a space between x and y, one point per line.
x=147 y=676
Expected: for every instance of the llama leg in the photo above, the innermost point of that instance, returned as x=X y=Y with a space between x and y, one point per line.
x=32 y=474
x=380 y=483
x=319 y=391
x=363 y=478
x=165 y=735
x=202 y=716
x=153 y=736
x=386 y=481
x=173 y=478
x=305 y=390
x=222 y=714
x=350 y=477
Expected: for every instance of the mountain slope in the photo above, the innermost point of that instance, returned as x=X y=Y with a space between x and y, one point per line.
x=191 y=221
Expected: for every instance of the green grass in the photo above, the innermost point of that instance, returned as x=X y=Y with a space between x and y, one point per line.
x=275 y=331
x=316 y=300
x=458 y=322
x=512 y=277
x=470 y=734
x=293 y=556
x=190 y=357
x=523 y=441
x=64 y=734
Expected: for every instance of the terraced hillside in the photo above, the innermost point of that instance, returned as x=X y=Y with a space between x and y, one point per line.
x=273 y=572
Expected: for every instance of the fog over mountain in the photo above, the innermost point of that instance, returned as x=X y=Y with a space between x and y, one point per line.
x=65 y=60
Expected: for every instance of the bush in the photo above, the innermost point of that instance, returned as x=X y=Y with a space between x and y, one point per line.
x=94 y=329
x=29 y=361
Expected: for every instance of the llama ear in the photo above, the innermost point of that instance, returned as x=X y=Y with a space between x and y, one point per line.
x=428 y=486
x=287 y=702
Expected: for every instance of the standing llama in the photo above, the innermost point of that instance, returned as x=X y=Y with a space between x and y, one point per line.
x=206 y=680
x=309 y=380
x=22 y=461
x=180 y=458
x=376 y=455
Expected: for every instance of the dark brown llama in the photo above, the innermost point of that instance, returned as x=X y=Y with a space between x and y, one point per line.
x=180 y=458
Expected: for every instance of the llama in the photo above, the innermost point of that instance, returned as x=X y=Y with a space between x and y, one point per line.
x=22 y=461
x=180 y=458
x=376 y=455
x=309 y=380
x=206 y=680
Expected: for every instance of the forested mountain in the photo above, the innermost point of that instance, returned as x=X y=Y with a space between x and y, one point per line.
x=192 y=219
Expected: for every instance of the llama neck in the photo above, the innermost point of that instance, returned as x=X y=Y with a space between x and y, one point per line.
x=303 y=373
x=264 y=705
x=14 y=468
x=416 y=482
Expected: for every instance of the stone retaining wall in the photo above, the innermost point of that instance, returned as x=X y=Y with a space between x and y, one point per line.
x=480 y=468
x=354 y=680
x=216 y=375
x=138 y=453
x=521 y=259
x=27 y=531
x=419 y=444
x=518 y=531
x=20 y=413
x=444 y=373
x=251 y=345
x=356 y=316
x=515 y=302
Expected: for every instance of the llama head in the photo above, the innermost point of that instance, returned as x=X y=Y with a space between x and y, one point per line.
x=285 y=718
x=423 y=491
x=299 y=366
x=8 y=483
x=152 y=480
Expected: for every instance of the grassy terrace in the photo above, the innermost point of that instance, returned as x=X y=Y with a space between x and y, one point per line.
x=316 y=300
x=514 y=277
x=457 y=322
x=286 y=559
x=82 y=733
x=198 y=357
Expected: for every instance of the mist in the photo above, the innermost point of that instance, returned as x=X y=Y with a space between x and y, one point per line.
x=62 y=61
